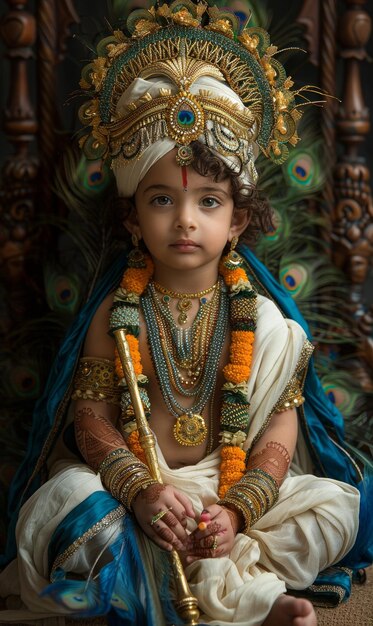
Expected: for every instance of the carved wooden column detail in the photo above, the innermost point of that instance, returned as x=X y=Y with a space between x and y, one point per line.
x=353 y=213
x=17 y=29
x=309 y=17
x=319 y=21
x=54 y=18
x=328 y=71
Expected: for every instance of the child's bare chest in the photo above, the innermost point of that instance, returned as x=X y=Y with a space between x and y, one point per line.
x=163 y=422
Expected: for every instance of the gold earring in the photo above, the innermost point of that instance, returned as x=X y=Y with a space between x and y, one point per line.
x=233 y=258
x=234 y=242
x=136 y=256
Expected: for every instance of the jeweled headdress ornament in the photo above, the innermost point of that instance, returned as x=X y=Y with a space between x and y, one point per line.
x=145 y=86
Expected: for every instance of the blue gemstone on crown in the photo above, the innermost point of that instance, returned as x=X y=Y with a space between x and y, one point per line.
x=186 y=118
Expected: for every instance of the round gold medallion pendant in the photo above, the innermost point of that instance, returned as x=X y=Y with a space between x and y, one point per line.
x=190 y=430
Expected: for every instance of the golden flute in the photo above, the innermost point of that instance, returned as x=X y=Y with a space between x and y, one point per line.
x=185 y=604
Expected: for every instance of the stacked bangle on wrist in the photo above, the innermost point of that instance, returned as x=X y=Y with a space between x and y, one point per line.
x=124 y=476
x=252 y=496
x=112 y=457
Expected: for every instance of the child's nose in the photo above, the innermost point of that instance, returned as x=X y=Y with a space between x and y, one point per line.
x=185 y=218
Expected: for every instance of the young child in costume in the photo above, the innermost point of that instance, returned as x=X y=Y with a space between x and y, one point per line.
x=182 y=108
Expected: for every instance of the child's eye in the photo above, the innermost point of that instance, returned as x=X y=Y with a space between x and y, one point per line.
x=210 y=202
x=161 y=201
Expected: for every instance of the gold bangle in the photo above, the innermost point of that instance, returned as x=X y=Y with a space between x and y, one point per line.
x=253 y=495
x=124 y=473
x=144 y=485
x=112 y=457
x=115 y=470
x=121 y=471
x=269 y=483
x=237 y=505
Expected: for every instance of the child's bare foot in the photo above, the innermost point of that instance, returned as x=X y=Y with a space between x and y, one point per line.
x=290 y=611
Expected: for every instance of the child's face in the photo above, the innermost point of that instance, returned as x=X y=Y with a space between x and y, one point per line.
x=183 y=230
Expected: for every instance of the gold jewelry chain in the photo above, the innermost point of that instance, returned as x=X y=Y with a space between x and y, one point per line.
x=183 y=296
x=201 y=340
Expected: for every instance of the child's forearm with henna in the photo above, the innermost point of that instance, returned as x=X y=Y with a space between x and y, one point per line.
x=95 y=434
x=272 y=453
x=274 y=450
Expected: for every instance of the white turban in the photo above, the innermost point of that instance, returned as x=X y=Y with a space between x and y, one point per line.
x=128 y=175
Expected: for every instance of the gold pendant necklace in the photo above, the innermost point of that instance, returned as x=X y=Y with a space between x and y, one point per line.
x=190 y=430
x=184 y=303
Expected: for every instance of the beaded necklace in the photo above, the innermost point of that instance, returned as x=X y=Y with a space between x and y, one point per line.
x=190 y=428
x=234 y=419
x=189 y=345
x=186 y=348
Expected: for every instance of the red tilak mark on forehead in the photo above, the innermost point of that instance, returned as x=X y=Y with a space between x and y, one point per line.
x=184 y=176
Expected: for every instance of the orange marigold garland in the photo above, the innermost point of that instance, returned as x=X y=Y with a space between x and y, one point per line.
x=234 y=421
x=125 y=314
x=136 y=278
x=134 y=445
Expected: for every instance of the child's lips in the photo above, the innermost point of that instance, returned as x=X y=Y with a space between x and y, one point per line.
x=185 y=245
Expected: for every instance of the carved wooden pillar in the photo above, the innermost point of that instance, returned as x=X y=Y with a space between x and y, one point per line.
x=353 y=231
x=17 y=28
x=328 y=72
x=54 y=18
x=23 y=173
x=353 y=213
x=319 y=21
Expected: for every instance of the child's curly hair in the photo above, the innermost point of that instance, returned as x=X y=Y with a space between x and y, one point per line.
x=245 y=197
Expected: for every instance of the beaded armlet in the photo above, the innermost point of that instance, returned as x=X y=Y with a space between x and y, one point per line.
x=96 y=380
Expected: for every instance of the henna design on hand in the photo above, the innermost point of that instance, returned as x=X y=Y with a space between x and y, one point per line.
x=204 y=553
x=215 y=528
x=207 y=542
x=166 y=534
x=274 y=459
x=200 y=543
x=234 y=518
x=170 y=520
x=96 y=436
x=151 y=494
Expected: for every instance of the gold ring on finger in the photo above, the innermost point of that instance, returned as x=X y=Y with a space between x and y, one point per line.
x=214 y=543
x=158 y=516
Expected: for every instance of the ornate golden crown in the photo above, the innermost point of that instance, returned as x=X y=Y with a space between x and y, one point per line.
x=184 y=41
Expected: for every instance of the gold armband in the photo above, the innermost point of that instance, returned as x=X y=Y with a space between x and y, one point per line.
x=291 y=398
x=96 y=380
